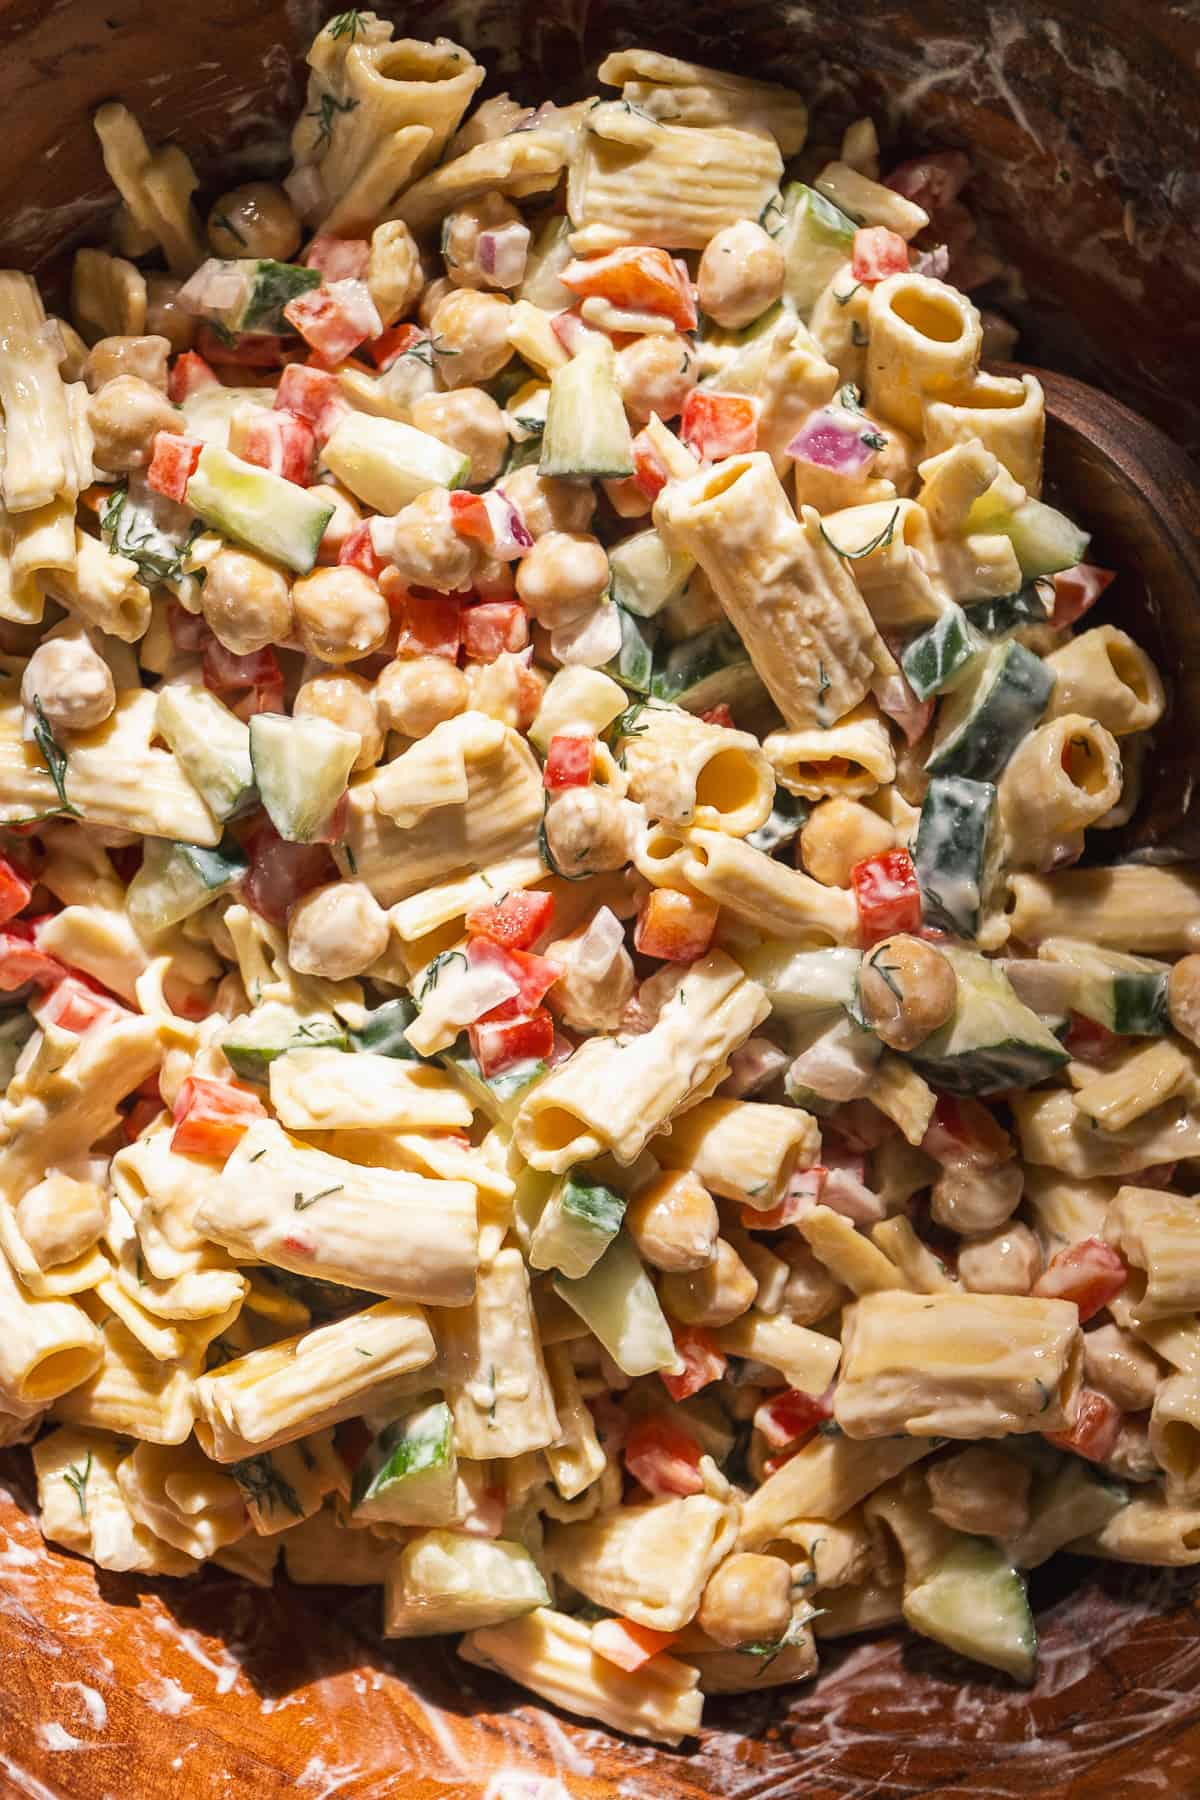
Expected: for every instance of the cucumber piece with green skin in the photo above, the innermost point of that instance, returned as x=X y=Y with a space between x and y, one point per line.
x=449 y=1581
x=644 y=575
x=258 y=509
x=549 y=254
x=817 y=238
x=633 y=665
x=253 y=1041
x=993 y=1042
x=803 y=983
x=1126 y=994
x=409 y=1474
x=301 y=767
x=272 y=286
x=1044 y=539
x=709 y=670
x=387 y=463
x=587 y=436
x=981 y=723
x=952 y=850
x=617 y=1302
x=499 y=1096
x=580 y=1220
x=383 y=1030
x=177 y=880
x=1030 y=605
x=940 y=658
x=783 y=826
x=16 y=1027
x=975 y=1603
x=211 y=744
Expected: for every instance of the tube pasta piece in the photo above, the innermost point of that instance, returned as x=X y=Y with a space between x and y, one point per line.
x=1103 y=674
x=951 y=482
x=671 y=185
x=46 y=1347
x=741 y=1672
x=449 y=901
x=161 y=1192
x=806 y=1359
x=552 y=1654
x=495 y=1375
x=39 y=455
x=824 y=1480
x=688 y=772
x=83 y=1507
x=1159 y=1233
x=577 y=1460
x=851 y=758
x=925 y=340
x=788 y=372
x=903 y=1096
x=894 y=559
x=746 y=882
x=319 y=1550
x=156 y=186
x=957 y=1365
x=176 y=1493
x=868 y=202
x=838 y=1552
x=132 y=1392
x=108 y=296
x=1004 y=414
x=1156 y=911
x=790 y=598
x=22 y=601
x=901 y=1524
x=291 y=1482
x=613 y=1094
x=1175 y=1437
x=852 y=1610
x=102 y=589
x=741 y=1149
x=322 y=1090
x=42 y=539
x=1151 y=1529
x=846 y=1253
x=1062 y=778
x=303 y=1384
x=526 y=163
x=923 y=1272
x=102 y=942
x=1145 y=1078
x=1055 y=1133
x=688 y=93
x=395 y=1234
x=649 y=1563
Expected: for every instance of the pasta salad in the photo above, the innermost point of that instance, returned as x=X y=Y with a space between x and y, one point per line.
x=559 y=1056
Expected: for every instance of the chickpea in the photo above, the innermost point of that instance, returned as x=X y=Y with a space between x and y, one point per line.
x=340 y=614
x=655 y=374
x=1183 y=998
x=394 y=274
x=906 y=989
x=981 y=1491
x=60 y=1218
x=973 y=1201
x=468 y=420
x=412 y=695
x=336 y=931
x=346 y=518
x=549 y=505
x=256 y=219
x=246 y=601
x=740 y=275
x=1006 y=1261
x=126 y=417
x=145 y=357
x=424 y=546
x=431 y=299
x=71 y=682
x=562 y=577
x=839 y=833
x=462 y=231
x=673 y=1221
x=748 y=1600
x=1121 y=1367
x=589 y=830
x=470 y=337
x=715 y=1295
x=164 y=315
x=349 y=701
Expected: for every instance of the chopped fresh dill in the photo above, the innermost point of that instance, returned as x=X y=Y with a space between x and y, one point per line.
x=76 y=1479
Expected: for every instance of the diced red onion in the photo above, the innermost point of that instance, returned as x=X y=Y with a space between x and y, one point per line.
x=214 y=288
x=833 y=439
x=510 y=536
x=934 y=263
x=503 y=253
x=304 y=190
x=593 y=956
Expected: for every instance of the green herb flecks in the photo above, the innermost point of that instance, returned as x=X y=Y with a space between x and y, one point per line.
x=551 y=862
x=302 y=1202
x=325 y=113
x=845 y=299
x=227 y=224
x=262 y=1483
x=767 y=1652
x=772 y=218
x=346 y=24
x=874 y=440
x=880 y=541
x=131 y=531
x=54 y=757
x=221 y=1351
x=433 y=973
x=886 y=971
x=849 y=397
x=76 y=1479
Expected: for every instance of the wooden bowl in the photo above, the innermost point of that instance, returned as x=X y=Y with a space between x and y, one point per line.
x=1083 y=120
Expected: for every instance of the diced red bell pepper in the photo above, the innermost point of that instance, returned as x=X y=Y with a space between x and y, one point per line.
x=1076 y=591
x=675 y=927
x=190 y=632
x=534 y=976
x=1091 y=1273
x=886 y=894
x=74 y=1005
x=15 y=891
x=571 y=331
x=140 y=1114
x=878 y=253
x=212 y=1117
x=663 y=1458
x=22 y=961
x=790 y=1414
x=173 y=463
x=703 y=1362
x=334 y=320
x=715 y=426
x=305 y=390
x=569 y=760
x=650 y=472
x=338 y=258
x=1088 y=1041
x=931 y=181
x=803 y=1193
x=279 y=872
x=964 y=1131
x=636 y=280
x=394 y=342
x=627 y=1645
x=189 y=374
x=515 y=922
x=277 y=440
x=469 y=516
x=718 y=715
x=1094 y=1431
x=896 y=698
x=225 y=672
x=493 y=628
x=499 y=1044
x=360 y=552
x=431 y=624
x=250 y=350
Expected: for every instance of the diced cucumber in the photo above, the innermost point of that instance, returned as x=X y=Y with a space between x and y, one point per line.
x=816 y=240
x=16 y=1027
x=587 y=435
x=301 y=767
x=211 y=744
x=1125 y=994
x=633 y=666
x=981 y=723
x=409 y=1474
x=975 y=1603
x=580 y=1220
x=449 y=1581
x=549 y=254
x=644 y=574
x=951 y=852
x=258 y=509
x=787 y=817
x=383 y=1030
x=1044 y=539
x=177 y=880
x=993 y=1042
x=253 y=1041
x=525 y=413
x=1069 y=1501
x=152 y=531
x=709 y=669
x=1030 y=605
x=499 y=1096
x=617 y=1302
x=941 y=657
x=387 y=463
x=267 y=286
x=801 y=983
